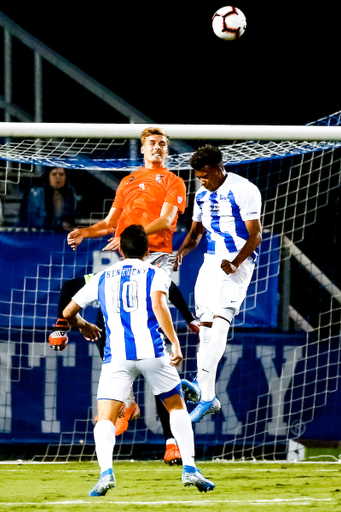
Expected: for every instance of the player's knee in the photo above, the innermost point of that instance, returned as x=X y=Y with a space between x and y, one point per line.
x=174 y=402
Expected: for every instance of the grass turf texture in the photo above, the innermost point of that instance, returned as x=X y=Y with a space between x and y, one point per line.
x=153 y=486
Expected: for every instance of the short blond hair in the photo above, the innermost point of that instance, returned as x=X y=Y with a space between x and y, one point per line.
x=147 y=132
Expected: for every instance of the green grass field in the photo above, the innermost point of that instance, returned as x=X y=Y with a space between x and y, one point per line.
x=153 y=486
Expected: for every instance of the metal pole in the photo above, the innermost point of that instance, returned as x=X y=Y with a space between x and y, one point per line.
x=285 y=287
x=133 y=146
x=7 y=73
x=38 y=88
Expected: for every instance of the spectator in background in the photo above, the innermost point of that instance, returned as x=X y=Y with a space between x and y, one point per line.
x=52 y=205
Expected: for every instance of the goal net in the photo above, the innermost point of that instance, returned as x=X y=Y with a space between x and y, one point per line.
x=278 y=379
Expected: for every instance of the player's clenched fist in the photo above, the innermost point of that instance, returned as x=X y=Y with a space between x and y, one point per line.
x=228 y=267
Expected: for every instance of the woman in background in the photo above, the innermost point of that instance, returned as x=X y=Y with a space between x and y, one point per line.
x=51 y=206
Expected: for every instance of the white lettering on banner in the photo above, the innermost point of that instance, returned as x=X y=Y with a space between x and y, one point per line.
x=279 y=382
x=151 y=417
x=278 y=385
x=50 y=424
x=95 y=374
x=102 y=260
x=6 y=353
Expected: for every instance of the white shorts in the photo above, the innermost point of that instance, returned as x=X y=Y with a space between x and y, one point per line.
x=215 y=290
x=117 y=377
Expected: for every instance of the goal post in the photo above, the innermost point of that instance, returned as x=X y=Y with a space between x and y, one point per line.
x=278 y=380
x=175 y=131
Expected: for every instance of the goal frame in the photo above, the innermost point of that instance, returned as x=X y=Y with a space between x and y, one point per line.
x=264 y=146
x=175 y=131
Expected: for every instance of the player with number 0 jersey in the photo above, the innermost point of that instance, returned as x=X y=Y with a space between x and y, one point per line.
x=133 y=298
x=124 y=291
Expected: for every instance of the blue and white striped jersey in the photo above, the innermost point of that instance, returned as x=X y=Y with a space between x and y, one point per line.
x=123 y=290
x=223 y=213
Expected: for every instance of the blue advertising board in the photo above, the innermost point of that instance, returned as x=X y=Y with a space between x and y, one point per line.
x=271 y=386
x=33 y=267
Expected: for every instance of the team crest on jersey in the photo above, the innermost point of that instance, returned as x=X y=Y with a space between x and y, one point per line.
x=179 y=199
x=159 y=178
x=141 y=185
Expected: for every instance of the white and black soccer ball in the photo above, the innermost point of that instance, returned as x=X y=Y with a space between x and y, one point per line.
x=229 y=23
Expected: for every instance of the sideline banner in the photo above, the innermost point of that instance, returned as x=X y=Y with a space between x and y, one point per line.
x=272 y=388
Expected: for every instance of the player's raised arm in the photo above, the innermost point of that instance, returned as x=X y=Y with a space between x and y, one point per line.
x=191 y=241
x=91 y=332
x=163 y=316
x=101 y=228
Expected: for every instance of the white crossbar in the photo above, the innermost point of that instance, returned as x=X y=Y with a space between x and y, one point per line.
x=184 y=132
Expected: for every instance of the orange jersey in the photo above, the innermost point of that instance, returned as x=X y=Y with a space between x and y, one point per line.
x=141 y=196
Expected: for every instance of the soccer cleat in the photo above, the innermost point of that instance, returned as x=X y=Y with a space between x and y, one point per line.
x=172 y=455
x=204 y=408
x=105 y=482
x=196 y=478
x=131 y=413
x=194 y=326
x=191 y=390
x=58 y=339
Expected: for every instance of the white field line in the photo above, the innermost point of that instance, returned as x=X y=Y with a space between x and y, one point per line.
x=276 y=501
x=245 y=463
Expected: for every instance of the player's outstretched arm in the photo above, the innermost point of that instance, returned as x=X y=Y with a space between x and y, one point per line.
x=191 y=242
x=91 y=332
x=163 y=316
x=101 y=228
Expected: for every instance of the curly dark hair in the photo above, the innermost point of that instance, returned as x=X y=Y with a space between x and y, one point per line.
x=207 y=155
x=134 y=241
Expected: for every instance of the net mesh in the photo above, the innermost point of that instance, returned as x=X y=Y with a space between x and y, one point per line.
x=278 y=379
x=104 y=154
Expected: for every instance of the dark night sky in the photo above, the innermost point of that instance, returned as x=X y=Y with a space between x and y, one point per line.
x=164 y=59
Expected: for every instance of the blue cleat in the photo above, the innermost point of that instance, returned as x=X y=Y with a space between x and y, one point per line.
x=204 y=408
x=191 y=390
x=105 y=482
x=190 y=478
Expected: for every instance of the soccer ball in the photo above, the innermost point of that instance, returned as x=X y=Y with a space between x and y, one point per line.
x=229 y=23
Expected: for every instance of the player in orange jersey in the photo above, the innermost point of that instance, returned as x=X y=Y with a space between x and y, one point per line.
x=152 y=196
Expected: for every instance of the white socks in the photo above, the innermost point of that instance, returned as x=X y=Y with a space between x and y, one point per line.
x=181 y=427
x=104 y=434
x=205 y=338
x=209 y=356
